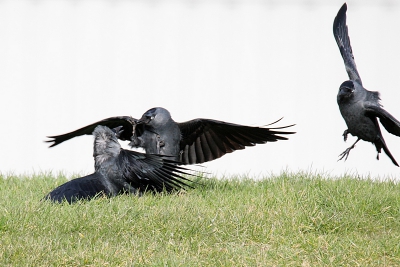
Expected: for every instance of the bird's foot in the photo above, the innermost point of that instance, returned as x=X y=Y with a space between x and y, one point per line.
x=345 y=133
x=135 y=142
x=160 y=143
x=345 y=154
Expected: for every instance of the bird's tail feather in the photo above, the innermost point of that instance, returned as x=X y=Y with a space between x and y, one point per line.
x=380 y=143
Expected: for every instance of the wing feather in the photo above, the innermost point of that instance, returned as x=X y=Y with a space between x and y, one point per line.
x=152 y=172
x=205 y=140
x=340 y=31
x=126 y=122
x=391 y=124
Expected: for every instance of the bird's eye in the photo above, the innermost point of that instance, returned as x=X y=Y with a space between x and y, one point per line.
x=346 y=89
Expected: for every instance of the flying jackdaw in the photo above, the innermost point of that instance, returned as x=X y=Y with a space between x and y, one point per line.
x=359 y=107
x=191 y=142
x=119 y=171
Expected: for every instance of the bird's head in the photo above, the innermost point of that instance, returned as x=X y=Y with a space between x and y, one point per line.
x=106 y=144
x=346 y=91
x=155 y=117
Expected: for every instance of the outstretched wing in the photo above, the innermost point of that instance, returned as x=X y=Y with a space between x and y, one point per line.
x=341 y=34
x=78 y=189
x=205 y=140
x=152 y=172
x=391 y=124
x=126 y=122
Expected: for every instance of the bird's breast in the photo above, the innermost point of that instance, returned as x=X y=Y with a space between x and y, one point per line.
x=358 y=124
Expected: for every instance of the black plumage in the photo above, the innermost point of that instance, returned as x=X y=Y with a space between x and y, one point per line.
x=359 y=107
x=119 y=171
x=191 y=142
x=127 y=122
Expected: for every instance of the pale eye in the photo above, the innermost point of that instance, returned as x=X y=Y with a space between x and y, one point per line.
x=346 y=90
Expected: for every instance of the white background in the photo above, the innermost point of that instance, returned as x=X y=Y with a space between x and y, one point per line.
x=65 y=64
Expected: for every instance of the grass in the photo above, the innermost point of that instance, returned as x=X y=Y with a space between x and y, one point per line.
x=288 y=220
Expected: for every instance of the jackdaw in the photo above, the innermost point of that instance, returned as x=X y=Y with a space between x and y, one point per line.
x=359 y=107
x=119 y=171
x=191 y=142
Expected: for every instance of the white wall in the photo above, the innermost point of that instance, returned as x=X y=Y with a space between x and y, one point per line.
x=65 y=64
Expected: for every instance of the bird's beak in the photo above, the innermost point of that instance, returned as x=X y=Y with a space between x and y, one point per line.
x=345 y=91
x=118 y=131
x=144 y=120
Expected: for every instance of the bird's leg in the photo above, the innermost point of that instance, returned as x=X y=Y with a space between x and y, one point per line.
x=347 y=151
x=135 y=141
x=160 y=143
x=345 y=133
x=379 y=151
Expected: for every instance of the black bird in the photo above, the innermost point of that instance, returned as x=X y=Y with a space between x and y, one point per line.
x=119 y=171
x=359 y=107
x=191 y=142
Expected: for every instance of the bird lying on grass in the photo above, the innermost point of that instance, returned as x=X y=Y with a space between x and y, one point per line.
x=119 y=171
x=191 y=142
x=359 y=107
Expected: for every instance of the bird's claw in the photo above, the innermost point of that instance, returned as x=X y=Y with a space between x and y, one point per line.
x=160 y=143
x=345 y=154
x=345 y=133
x=135 y=142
